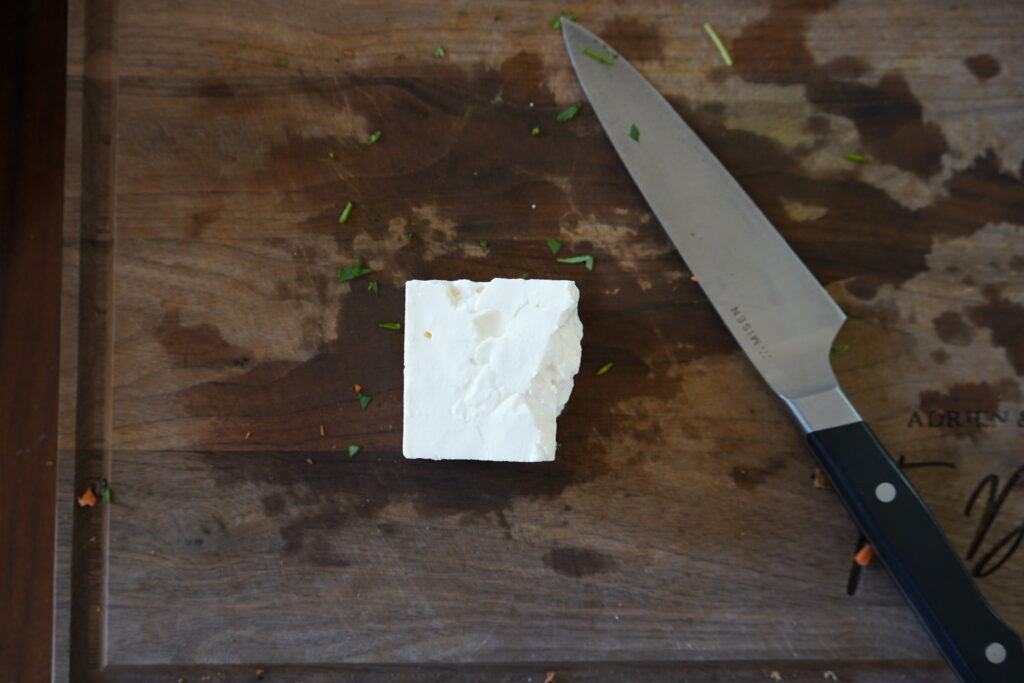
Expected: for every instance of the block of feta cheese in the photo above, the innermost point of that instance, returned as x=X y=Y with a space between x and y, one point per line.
x=488 y=367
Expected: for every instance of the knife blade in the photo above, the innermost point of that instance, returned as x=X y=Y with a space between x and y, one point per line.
x=785 y=322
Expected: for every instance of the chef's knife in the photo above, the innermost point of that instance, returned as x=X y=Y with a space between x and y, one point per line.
x=786 y=322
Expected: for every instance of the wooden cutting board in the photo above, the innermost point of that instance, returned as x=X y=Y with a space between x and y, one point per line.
x=210 y=354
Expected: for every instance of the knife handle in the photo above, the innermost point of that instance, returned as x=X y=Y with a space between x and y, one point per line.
x=977 y=644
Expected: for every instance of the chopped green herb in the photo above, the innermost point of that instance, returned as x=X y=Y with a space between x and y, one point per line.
x=374 y=287
x=859 y=158
x=399 y=58
x=585 y=259
x=364 y=400
x=604 y=59
x=102 y=489
x=283 y=62
x=558 y=444
x=439 y=52
x=556 y=23
x=353 y=448
x=410 y=234
x=344 y=214
x=330 y=155
x=535 y=131
x=569 y=113
x=390 y=326
x=525 y=276
x=634 y=133
x=836 y=348
x=374 y=136
x=554 y=246
x=604 y=368
x=484 y=244
x=497 y=17
x=347 y=274
x=718 y=43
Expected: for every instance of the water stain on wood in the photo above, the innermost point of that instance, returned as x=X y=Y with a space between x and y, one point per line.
x=983 y=66
x=951 y=328
x=1005 y=321
x=576 y=562
x=888 y=117
x=749 y=477
x=636 y=38
x=348 y=490
x=193 y=346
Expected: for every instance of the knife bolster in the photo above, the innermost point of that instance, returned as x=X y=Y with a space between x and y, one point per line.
x=822 y=410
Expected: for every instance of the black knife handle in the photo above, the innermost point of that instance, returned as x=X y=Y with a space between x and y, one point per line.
x=977 y=644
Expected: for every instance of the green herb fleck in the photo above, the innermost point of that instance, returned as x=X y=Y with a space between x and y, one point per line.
x=535 y=131
x=353 y=448
x=103 y=490
x=364 y=400
x=410 y=234
x=390 y=326
x=554 y=246
x=348 y=274
x=585 y=259
x=569 y=113
x=439 y=52
x=604 y=368
x=556 y=23
x=634 y=133
x=345 y=213
x=558 y=444
x=374 y=287
x=330 y=155
x=283 y=62
x=497 y=17
x=484 y=244
x=718 y=43
x=859 y=158
x=400 y=58
x=836 y=348
x=525 y=276
x=604 y=59
x=374 y=136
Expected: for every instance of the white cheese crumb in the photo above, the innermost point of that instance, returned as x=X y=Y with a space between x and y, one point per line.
x=488 y=367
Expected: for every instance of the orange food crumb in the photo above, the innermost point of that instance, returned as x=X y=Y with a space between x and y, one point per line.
x=864 y=555
x=357 y=387
x=87 y=499
x=428 y=335
x=260 y=672
x=693 y=278
x=248 y=435
x=348 y=53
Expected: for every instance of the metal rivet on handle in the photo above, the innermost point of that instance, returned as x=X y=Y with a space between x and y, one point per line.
x=885 y=492
x=995 y=653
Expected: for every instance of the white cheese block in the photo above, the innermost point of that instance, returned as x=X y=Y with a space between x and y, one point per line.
x=488 y=367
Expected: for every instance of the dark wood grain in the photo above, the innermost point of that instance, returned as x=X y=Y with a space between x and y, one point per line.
x=208 y=368
x=32 y=107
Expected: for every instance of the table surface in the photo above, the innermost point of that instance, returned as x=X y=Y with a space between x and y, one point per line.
x=208 y=354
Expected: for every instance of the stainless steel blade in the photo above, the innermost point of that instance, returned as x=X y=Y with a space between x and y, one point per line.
x=781 y=316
